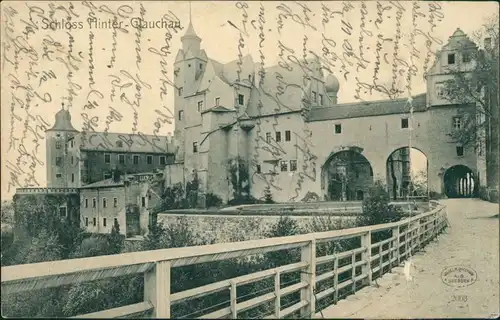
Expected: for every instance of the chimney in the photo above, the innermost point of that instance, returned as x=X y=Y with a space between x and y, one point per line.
x=487 y=43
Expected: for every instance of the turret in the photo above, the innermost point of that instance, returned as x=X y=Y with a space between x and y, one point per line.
x=61 y=157
x=332 y=87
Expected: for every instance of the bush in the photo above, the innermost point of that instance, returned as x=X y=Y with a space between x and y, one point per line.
x=212 y=200
x=376 y=207
x=493 y=196
x=483 y=193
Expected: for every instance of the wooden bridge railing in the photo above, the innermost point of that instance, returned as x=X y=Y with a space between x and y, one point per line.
x=408 y=236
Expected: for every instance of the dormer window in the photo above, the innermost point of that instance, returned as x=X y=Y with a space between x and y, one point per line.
x=119 y=144
x=241 y=99
x=451 y=58
x=200 y=105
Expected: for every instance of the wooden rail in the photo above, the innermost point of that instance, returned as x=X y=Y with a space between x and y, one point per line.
x=407 y=236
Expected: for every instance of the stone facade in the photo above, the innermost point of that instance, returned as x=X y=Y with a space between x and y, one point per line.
x=226 y=112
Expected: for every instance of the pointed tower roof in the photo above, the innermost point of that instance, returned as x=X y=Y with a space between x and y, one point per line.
x=190 y=33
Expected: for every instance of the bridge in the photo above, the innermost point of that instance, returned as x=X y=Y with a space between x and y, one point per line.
x=453 y=232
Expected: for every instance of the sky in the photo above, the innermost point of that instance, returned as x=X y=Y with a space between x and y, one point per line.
x=41 y=83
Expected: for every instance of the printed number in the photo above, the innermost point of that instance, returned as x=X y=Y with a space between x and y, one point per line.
x=460 y=298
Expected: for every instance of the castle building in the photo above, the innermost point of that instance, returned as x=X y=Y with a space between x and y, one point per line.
x=286 y=128
x=242 y=128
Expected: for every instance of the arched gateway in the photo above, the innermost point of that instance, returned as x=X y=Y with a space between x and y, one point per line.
x=346 y=175
x=459 y=182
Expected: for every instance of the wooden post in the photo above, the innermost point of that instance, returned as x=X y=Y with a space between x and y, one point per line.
x=366 y=242
x=336 y=280
x=232 y=291
x=395 y=233
x=277 y=289
x=353 y=272
x=308 y=254
x=157 y=289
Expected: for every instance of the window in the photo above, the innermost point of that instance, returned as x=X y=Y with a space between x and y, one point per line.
x=86 y=203
x=104 y=202
x=404 y=123
x=58 y=144
x=115 y=202
x=71 y=143
x=278 y=136
x=58 y=175
x=116 y=221
x=107 y=175
x=143 y=201
x=457 y=123
x=258 y=168
x=86 y=221
x=451 y=58
x=195 y=146
x=200 y=106
x=119 y=144
x=62 y=211
x=181 y=115
x=163 y=160
x=338 y=128
x=189 y=65
x=94 y=203
x=58 y=161
x=103 y=222
x=320 y=99
x=72 y=177
x=180 y=91
x=149 y=159
x=314 y=96
x=149 y=196
x=94 y=220
x=288 y=135
x=121 y=158
x=293 y=165
x=460 y=151
x=136 y=159
x=241 y=99
x=466 y=57
x=284 y=166
x=72 y=160
x=107 y=158
x=217 y=101
x=268 y=137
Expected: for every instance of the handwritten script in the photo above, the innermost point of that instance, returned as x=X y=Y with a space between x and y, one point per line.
x=116 y=68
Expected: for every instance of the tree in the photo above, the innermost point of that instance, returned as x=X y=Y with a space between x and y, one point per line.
x=115 y=239
x=478 y=86
x=268 y=196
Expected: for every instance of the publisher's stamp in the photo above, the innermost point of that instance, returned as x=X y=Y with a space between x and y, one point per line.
x=458 y=276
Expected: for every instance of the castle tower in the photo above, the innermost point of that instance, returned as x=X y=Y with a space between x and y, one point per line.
x=189 y=66
x=61 y=163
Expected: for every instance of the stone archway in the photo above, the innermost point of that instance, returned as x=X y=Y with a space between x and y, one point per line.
x=460 y=182
x=347 y=175
x=407 y=173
